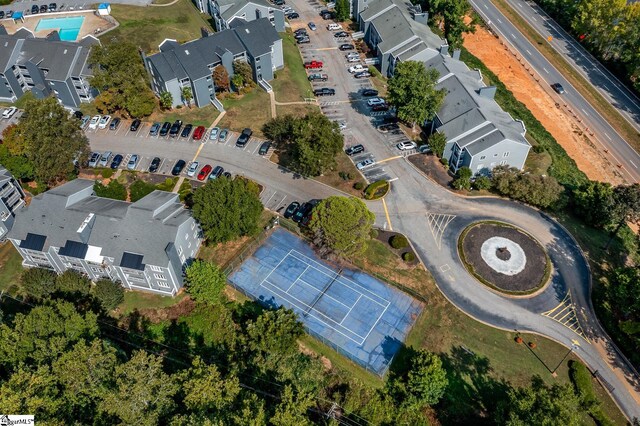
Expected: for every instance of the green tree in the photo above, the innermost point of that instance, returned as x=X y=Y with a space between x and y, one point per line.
x=463 y=179
x=205 y=282
x=143 y=393
x=314 y=143
x=166 y=100
x=141 y=104
x=206 y=391
x=595 y=202
x=422 y=384
x=279 y=129
x=227 y=209
x=539 y=191
x=114 y=190
x=71 y=281
x=140 y=189
x=38 y=282
x=454 y=13
x=187 y=95
x=437 y=143
x=292 y=409
x=627 y=207
x=624 y=287
x=109 y=294
x=482 y=183
x=342 y=10
x=49 y=139
x=273 y=337
x=33 y=391
x=19 y=165
x=412 y=91
x=342 y=225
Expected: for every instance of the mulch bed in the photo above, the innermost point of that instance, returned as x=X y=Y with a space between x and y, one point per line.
x=432 y=167
x=526 y=281
x=385 y=237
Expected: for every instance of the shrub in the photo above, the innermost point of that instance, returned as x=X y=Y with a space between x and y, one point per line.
x=408 y=257
x=463 y=179
x=482 y=182
x=140 y=189
x=358 y=186
x=376 y=190
x=398 y=242
x=518 y=340
x=444 y=162
x=532 y=345
x=109 y=294
x=107 y=173
x=373 y=233
x=71 y=281
x=581 y=379
x=114 y=190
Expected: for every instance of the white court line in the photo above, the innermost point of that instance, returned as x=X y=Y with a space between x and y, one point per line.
x=324 y=295
x=374 y=324
x=296 y=280
x=356 y=302
x=276 y=267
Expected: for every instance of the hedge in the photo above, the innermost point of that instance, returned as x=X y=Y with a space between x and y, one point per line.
x=376 y=190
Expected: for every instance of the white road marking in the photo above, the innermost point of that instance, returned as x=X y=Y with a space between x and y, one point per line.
x=633 y=164
x=485 y=6
x=499 y=20
x=608 y=137
x=528 y=52
x=513 y=35
x=534 y=18
x=585 y=112
x=545 y=70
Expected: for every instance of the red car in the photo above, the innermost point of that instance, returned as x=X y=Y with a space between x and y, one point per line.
x=313 y=65
x=204 y=172
x=198 y=133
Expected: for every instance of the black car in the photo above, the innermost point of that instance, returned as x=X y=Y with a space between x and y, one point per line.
x=302 y=212
x=346 y=47
x=558 y=88
x=135 y=125
x=325 y=91
x=291 y=210
x=323 y=11
x=328 y=15
x=175 y=128
x=244 y=137
x=186 y=131
x=178 y=167
x=116 y=161
x=278 y=2
x=380 y=107
x=34 y=9
x=227 y=175
x=300 y=31
x=1 y=14
x=52 y=7
x=165 y=128
x=43 y=8
x=115 y=123
x=356 y=149
x=78 y=115
x=264 y=148
x=293 y=15
x=388 y=127
x=341 y=34
x=369 y=92
x=155 y=165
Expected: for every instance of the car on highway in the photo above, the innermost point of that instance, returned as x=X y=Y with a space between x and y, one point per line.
x=133 y=162
x=406 y=146
x=93 y=124
x=324 y=91
x=558 y=88
x=215 y=132
x=365 y=163
x=224 y=134
x=198 y=133
x=353 y=150
x=379 y=108
x=204 y=172
x=186 y=131
x=312 y=26
x=9 y=112
x=117 y=160
x=341 y=34
x=178 y=167
x=104 y=160
x=193 y=168
x=164 y=130
x=362 y=74
x=135 y=125
x=369 y=92
x=375 y=101
x=334 y=27
x=104 y=121
x=291 y=209
x=155 y=164
x=217 y=171
x=93 y=160
x=313 y=65
x=318 y=77
x=175 y=128
x=155 y=129
x=244 y=137
x=264 y=148
x=356 y=68
x=115 y=123
x=346 y=46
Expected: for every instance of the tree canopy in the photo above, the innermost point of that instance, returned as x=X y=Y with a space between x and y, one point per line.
x=205 y=281
x=227 y=209
x=343 y=10
x=595 y=203
x=342 y=225
x=539 y=191
x=412 y=92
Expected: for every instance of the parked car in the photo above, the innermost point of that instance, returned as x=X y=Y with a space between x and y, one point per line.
x=362 y=74
x=193 y=168
x=204 y=172
x=224 y=133
x=369 y=92
x=175 y=128
x=303 y=211
x=356 y=149
x=381 y=107
x=135 y=125
x=365 y=163
x=215 y=174
x=9 y=14
x=301 y=36
x=115 y=123
x=215 y=132
x=115 y=163
x=558 y=88
x=291 y=209
x=300 y=31
x=304 y=40
x=9 y=112
x=155 y=164
x=278 y=2
x=133 y=162
x=293 y=15
x=84 y=121
x=334 y=27
x=104 y=121
x=94 y=159
x=356 y=68
x=1 y=14
x=35 y=9
x=178 y=167
x=52 y=7
x=313 y=65
x=388 y=127
x=346 y=47
x=164 y=130
x=264 y=148
x=244 y=137
x=342 y=125
x=318 y=77
x=341 y=34
x=78 y=115
x=227 y=175
x=406 y=145
x=312 y=26
x=198 y=133
x=328 y=15
x=93 y=124
x=186 y=131
x=375 y=101
x=353 y=59
x=104 y=160
x=325 y=91
x=155 y=128
x=43 y=8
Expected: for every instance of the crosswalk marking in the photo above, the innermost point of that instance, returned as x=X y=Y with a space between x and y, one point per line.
x=565 y=314
x=437 y=224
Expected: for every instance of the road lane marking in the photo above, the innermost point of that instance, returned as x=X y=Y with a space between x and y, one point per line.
x=513 y=35
x=485 y=6
x=608 y=137
x=545 y=70
x=633 y=164
x=498 y=19
x=386 y=212
x=534 y=18
x=528 y=52
x=585 y=112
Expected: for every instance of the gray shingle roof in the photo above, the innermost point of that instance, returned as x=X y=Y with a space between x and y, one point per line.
x=258 y=36
x=230 y=8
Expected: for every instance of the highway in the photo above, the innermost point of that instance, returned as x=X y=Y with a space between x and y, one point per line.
x=623 y=155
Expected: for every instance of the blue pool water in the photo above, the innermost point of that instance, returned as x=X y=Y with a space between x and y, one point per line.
x=68 y=27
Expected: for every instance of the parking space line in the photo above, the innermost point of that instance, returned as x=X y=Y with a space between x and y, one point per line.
x=389 y=159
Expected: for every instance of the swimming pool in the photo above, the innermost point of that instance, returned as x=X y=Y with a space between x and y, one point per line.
x=68 y=27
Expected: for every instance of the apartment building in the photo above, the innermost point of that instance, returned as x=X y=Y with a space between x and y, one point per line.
x=11 y=201
x=224 y=12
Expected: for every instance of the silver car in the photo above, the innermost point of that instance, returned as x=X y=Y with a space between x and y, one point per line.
x=105 y=158
x=133 y=161
x=93 y=160
x=193 y=168
x=365 y=163
x=214 y=133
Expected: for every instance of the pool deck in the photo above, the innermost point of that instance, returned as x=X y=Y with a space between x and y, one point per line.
x=93 y=24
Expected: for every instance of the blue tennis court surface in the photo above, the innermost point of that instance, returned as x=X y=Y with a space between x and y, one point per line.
x=353 y=312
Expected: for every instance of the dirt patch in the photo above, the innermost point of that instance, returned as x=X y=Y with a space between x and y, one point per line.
x=180 y=309
x=326 y=363
x=432 y=167
x=542 y=105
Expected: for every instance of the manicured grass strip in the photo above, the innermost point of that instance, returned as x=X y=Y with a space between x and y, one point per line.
x=10 y=266
x=291 y=83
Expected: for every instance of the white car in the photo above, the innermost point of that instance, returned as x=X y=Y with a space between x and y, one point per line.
x=93 y=124
x=193 y=168
x=342 y=125
x=356 y=68
x=334 y=27
x=213 y=135
x=104 y=121
x=375 y=101
x=8 y=113
x=353 y=58
x=365 y=163
x=133 y=161
x=406 y=145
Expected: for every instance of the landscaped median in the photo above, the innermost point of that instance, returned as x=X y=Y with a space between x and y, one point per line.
x=377 y=190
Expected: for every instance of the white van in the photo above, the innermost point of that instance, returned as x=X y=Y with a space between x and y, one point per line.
x=334 y=27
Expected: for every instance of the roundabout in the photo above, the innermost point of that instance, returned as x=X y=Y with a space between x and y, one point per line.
x=504 y=258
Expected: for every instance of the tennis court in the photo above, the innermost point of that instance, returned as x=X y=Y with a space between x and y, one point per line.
x=359 y=316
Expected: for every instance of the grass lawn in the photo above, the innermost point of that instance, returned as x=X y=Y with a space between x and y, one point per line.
x=140 y=300
x=251 y=110
x=296 y=110
x=346 y=167
x=10 y=266
x=197 y=116
x=291 y=83
x=147 y=27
